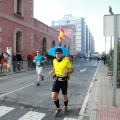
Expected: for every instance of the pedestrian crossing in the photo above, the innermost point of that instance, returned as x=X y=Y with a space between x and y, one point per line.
x=30 y=115
x=4 y=110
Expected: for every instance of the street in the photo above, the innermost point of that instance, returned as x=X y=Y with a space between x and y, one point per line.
x=19 y=95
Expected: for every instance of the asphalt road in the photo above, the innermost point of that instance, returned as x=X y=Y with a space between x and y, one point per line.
x=20 y=93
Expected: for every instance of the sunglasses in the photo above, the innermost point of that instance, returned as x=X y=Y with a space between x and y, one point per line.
x=57 y=53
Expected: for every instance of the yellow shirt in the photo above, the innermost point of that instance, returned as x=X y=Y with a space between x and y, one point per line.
x=61 y=67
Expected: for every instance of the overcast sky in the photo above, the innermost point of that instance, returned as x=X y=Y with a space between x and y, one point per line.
x=93 y=10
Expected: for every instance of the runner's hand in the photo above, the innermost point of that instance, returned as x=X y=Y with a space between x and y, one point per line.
x=65 y=74
x=54 y=77
x=51 y=73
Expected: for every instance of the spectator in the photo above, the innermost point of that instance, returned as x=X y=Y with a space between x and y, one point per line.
x=29 y=61
x=4 y=64
x=14 y=62
x=1 y=56
x=19 y=59
x=32 y=55
x=104 y=59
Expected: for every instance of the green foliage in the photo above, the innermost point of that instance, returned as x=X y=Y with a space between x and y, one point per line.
x=110 y=63
x=118 y=59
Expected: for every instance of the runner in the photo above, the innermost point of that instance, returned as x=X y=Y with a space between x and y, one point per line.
x=61 y=68
x=39 y=60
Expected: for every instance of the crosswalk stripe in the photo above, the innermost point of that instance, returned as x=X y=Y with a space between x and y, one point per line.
x=4 y=110
x=69 y=118
x=32 y=116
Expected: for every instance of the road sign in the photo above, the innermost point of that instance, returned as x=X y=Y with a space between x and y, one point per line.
x=112 y=28
x=109 y=25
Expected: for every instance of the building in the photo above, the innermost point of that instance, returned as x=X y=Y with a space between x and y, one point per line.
x=20 y=31
x=83 y=39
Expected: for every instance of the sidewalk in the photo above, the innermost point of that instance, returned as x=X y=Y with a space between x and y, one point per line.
x=102 y=95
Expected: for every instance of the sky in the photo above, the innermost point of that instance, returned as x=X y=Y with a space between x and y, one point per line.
x=92 y=10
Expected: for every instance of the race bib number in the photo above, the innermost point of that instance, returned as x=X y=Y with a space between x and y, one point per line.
x=38 y=63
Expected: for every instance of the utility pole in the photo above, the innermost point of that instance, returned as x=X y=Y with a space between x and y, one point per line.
x=105 y=45
x=115 y=55
x=110 y=43
x=111 y=12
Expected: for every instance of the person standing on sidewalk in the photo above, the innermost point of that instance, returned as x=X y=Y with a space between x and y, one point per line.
x=39 y=60
x=14 y=62
x=1 y=56
x=62 y=67
x=104 y=59
x=19 y=60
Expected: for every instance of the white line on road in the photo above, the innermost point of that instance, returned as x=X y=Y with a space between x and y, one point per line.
x=32 y=116
x=4 y=110
x=16 y=90
x=69 y=118
x=81 y=113
x=83 y=70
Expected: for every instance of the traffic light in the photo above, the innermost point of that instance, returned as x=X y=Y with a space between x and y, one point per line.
x=61 y=35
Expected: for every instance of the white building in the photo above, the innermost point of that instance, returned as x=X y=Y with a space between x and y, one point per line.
x=82 y=32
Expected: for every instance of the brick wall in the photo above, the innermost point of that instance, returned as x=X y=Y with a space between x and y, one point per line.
x=32 y=31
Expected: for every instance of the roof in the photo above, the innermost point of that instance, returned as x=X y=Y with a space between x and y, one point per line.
x=71 y=26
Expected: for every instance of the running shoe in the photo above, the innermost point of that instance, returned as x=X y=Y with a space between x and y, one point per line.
x=65 y=110
x=38 y=84
x=42 y=78
x=57 y=112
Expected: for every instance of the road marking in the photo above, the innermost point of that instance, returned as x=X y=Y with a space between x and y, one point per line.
x=69 y=118
x=15 y=90
x=32 y=116
x=83 y=70
x=81 y=113
x=4 y=110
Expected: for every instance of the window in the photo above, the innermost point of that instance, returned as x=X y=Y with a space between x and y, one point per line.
x=78 y=33
x=77 y=25
x=78 y=29
x=67 y=21
x=78 y=42
x=18 y=7
x=78 y=37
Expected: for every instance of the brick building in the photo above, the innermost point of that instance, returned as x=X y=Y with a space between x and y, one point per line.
x=22 y=32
